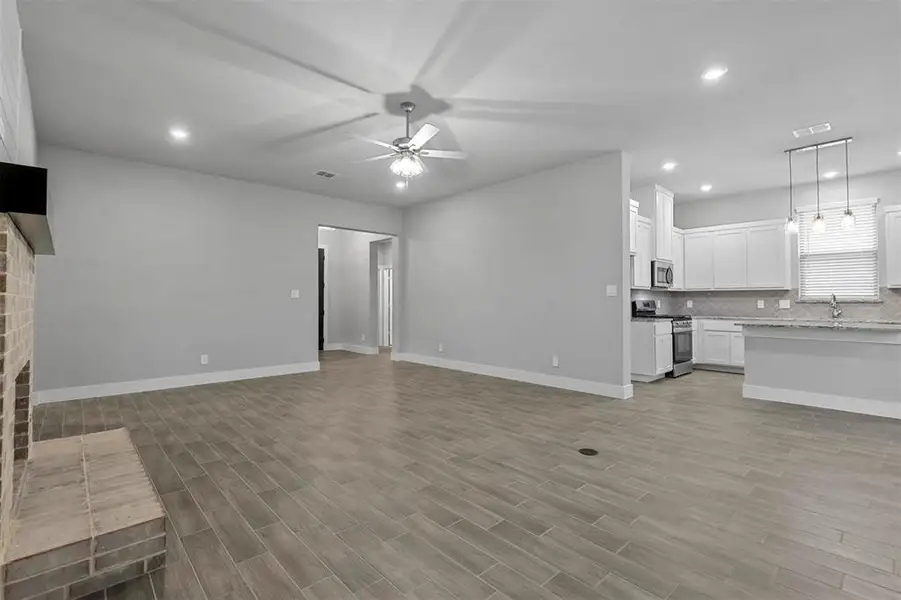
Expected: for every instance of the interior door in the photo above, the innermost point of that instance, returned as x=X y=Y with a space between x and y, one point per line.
x=321 y=299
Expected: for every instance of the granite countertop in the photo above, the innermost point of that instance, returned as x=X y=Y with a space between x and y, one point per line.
x=823 y=324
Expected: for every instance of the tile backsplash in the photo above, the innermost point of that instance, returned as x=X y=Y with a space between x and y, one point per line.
x=744 y=304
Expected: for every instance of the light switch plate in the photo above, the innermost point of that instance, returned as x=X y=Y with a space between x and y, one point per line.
x=440 y=347
x=785 y=304
x=362 y=337
x=555 y=361
x=611 y=290
x=204 y=359
x=295 y=294
x=689 y=303
x=760 y=304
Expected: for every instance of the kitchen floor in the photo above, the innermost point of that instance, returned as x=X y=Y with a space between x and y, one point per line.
x=377 y=480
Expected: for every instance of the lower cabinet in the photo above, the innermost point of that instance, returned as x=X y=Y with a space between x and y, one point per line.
x=737 y=350
x=652 y=349
x=720 y=343
x=663 y=353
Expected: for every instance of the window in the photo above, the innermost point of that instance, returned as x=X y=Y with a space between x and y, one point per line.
x=836 y=261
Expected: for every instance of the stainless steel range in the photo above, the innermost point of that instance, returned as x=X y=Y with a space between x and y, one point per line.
x=682 y=344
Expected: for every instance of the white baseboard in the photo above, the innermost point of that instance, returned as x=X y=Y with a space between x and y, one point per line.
x=351 y=348
x=165 y=383
x=864 y=406
x=620 y=392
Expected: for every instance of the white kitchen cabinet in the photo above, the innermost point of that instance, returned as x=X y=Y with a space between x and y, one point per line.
x=633 y=226
x=736 y=257
x=737 y=350
x=695 y=341
x=767 y=257
x=893 y=246
x=678 y=260
x=717 y=347
x=698 y=256
x=663 y=224
x=652 y=349
x=730 y=259
x=720 y=343
x=663 y=353
x=641 y=260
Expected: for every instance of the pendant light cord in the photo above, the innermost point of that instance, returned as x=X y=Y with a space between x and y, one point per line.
x=818 y=180
x=791 y=196
x=847 y=182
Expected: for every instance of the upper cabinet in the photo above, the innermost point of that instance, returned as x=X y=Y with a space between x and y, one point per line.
x=893 y=246
x=737 y=257
x=641 y=260
x=698 y=260
x=663 y=224
x=633 y=226
x=730 y=260
x=768 y=257
x=678 y=260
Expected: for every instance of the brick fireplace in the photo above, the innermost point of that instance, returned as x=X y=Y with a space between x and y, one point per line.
x=16 y=351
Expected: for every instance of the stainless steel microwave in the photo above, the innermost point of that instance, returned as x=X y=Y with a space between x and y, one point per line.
x=661 y=274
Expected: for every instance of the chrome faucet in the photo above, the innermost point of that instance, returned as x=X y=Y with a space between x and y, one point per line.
x=836 y=307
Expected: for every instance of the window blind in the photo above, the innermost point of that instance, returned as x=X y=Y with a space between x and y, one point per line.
x=838 y=261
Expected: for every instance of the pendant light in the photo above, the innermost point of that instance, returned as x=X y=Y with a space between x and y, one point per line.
x=819 y=223
x=848 y=220
x=791 y=224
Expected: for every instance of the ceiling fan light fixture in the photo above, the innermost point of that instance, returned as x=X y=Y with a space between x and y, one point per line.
x=407 y=166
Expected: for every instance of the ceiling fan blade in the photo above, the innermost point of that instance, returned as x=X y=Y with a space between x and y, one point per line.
x=374 y=158
x=363 y=138
x=455 y=154
x=425 y=133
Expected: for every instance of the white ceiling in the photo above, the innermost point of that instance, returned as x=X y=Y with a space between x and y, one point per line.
x=270 y=88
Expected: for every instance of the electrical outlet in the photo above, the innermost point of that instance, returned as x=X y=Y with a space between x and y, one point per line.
x=785 y=303
x=440 y=347
x=760 y=304
x=295 y=294
x=204 y=359
x=555 y=361
x=611 y=291
x=689 y=303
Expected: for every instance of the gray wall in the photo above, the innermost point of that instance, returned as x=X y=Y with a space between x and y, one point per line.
x=350 y=289
x=156 y=266
x=511 y=274
x=773 y=203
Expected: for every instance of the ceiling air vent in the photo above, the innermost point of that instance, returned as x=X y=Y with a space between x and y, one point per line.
x=326 y=174
x=812 y=130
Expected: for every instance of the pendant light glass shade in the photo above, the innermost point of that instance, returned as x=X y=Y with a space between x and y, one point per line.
x=791 y=225
x=407 y=166
x=848 y=220
x=819 y=224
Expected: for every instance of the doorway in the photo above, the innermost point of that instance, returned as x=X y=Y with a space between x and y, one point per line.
x=386 y=306
x=321 y=299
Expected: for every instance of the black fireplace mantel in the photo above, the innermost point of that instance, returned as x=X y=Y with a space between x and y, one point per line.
x=23 y=195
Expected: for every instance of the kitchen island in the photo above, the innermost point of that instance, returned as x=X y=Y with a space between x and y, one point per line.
x=853 y=366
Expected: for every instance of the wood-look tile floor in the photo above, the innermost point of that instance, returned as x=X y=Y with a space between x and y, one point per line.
x=373 y=481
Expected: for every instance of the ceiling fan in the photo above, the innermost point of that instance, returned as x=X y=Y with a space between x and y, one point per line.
x=407 y=151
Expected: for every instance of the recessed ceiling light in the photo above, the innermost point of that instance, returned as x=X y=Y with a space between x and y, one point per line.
x=714 y=73
x=179 y=134
x=669 y=165
x=326 y=228
x=706 y=187
x=899 y=152
x=830 y=174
